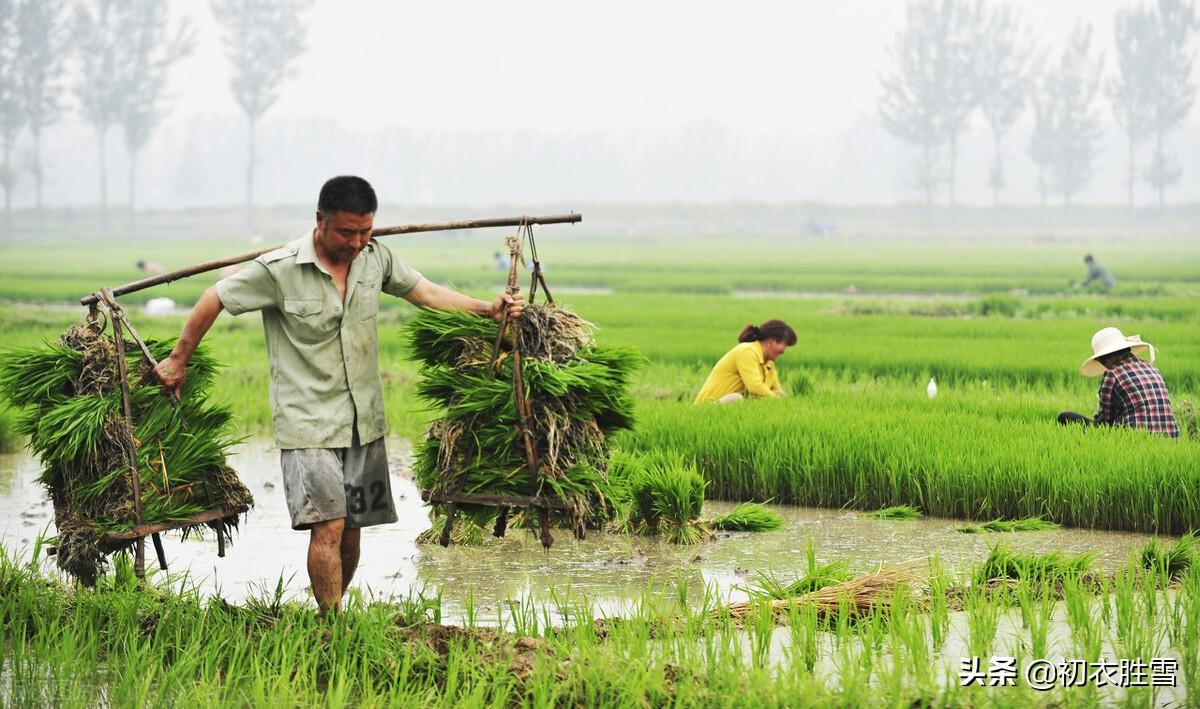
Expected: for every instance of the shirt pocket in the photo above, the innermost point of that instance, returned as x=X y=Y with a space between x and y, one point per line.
x=308 y=319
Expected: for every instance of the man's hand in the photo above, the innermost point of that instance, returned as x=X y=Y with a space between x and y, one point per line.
x=515 y=304
x=170 y=373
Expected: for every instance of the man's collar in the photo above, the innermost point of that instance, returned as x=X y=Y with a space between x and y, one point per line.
x=307 y=252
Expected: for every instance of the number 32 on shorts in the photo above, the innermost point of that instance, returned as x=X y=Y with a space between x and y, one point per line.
x=356 y=497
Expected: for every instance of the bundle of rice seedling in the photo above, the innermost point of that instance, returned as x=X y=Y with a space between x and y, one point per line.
x=899 y=512
x=1028 y=524
x=72 y=413
x=577 y=397
x=855 y=598
x=748 y=517
x=1044 y=569
x=665 y=496
x=1172 y=561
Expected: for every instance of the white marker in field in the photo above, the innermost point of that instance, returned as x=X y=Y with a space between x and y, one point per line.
x=931 y=390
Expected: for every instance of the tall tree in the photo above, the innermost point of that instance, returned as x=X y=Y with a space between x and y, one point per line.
x=1072 y=85
x=102 y=52
x=1039 y=93
x=154 y=47
x=12 y=112
x=263 y=39
x=1005 y=54
x=1172 y=90
x=41 y=32
x=929 y=95
x=1129 y=91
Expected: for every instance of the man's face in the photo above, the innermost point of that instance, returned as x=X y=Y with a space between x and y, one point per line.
x=343 y=235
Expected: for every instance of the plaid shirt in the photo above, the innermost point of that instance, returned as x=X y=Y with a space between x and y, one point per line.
x=1133 y=394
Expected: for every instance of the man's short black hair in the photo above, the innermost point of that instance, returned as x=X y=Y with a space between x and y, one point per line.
x=347 y=193
x=1088 y=258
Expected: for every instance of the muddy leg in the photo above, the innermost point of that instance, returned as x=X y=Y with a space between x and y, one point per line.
x=325 y=563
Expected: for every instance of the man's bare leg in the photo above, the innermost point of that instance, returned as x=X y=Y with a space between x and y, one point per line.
x=349 y=552
x=325 y=563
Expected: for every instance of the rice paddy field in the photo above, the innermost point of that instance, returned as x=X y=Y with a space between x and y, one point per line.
x=983 y=304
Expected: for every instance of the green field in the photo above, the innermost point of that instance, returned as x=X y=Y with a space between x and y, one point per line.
x=986 y=308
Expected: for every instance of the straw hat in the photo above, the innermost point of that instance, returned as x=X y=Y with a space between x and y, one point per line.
x=1110 y=340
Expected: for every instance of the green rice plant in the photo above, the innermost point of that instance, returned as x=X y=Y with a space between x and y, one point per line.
x=1048 y=569
x=748 y=517
x=1170 y=561
x=1028 y=524
x=10 y=440
x=895 y=513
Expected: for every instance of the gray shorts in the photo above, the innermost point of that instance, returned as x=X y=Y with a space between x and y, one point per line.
x=329 y=483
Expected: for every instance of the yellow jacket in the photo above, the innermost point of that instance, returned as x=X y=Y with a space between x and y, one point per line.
x=742 y=371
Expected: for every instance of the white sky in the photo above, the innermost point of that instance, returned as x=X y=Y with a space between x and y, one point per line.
x=473 y=102
x=548 y=65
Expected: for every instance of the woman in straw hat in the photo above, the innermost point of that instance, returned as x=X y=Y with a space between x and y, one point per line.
x=1132 y=392
x=749 y=368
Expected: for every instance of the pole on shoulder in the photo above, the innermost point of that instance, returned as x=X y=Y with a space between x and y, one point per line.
x=160 y=279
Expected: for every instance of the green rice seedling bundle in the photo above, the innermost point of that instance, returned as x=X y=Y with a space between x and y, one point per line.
x=73 y=416
x=896 y=512
x=1028 y=524
x=666 y=495
x=1170 y=560
x=577 y=396
x=748 y=517
x=1049 y=569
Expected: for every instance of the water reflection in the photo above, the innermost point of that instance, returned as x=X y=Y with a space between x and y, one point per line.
x=610 y=571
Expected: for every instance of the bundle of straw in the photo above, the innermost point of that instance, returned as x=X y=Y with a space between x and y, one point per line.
x=577 y=393
x=857 y=597
x=72 y=413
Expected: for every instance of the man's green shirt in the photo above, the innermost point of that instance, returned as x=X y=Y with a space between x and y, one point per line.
x=323 y=354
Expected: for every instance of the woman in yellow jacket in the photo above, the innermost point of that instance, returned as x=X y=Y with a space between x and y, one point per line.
x=749 y=368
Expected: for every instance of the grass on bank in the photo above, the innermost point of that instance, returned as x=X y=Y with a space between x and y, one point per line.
x=116 y=644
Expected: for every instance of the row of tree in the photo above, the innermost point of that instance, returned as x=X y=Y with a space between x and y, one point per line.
x=955 y=58
x=109 y=60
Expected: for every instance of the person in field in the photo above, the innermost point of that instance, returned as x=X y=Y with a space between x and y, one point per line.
x=748 y=370
x=1132 y=392
x=1098 y=273
x=319 y=298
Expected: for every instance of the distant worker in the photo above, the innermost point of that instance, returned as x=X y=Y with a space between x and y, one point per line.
x=501 y=261
x=1132 y=392
x=149 y=267
x=1098 y=273
x=749 y=368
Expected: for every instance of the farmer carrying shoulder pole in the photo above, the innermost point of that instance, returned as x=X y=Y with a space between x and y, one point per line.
x=749 y=368
x=1132 y=392
x=319 y=297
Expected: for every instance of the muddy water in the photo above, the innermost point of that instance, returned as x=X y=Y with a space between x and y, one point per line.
x=611 y=571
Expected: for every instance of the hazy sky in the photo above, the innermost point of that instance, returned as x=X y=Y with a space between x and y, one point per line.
x=535 y=102
x=801 y=66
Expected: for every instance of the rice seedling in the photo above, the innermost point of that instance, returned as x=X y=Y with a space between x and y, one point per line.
x=816 y=576
x=895 y=513
x=575 y=392
x=1028 y=524
x=666 y=496
x=72 y=415
x=748 y=517
x=1048 y=570
x=1170 y=561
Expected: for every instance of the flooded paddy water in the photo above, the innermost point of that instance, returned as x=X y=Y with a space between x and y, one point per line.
x=610 y=571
